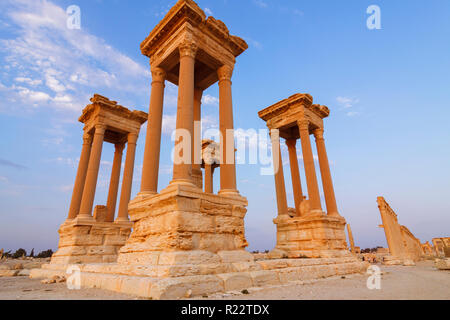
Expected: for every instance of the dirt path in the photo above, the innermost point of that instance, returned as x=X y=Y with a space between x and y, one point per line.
x=420 y=282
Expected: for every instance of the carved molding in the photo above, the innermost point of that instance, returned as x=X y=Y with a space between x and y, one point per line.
x=225 y=73
x=158 y=74
x=188 y=49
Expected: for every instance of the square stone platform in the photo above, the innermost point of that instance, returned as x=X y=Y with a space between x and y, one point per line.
x=90 y=241
x=177 y=276
x=312 y=236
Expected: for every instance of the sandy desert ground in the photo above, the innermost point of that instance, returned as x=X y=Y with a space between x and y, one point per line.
x=420 y=282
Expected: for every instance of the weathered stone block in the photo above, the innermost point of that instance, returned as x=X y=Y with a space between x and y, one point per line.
x=236 y=281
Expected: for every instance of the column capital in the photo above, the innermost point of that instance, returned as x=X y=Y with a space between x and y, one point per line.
x=132 y=138
x=291 y=143
x=100 y=129
x=87 y=139
x=303 y=124
x=225 y=72
x=318 y=134
x=158 y=74
x=188 y=49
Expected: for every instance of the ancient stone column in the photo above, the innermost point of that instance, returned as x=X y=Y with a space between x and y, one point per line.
x=310 y=169
x=150 y=169
x=197 y=144
x=81 y=177
x=127 y=182
x=90 y=186
x=209 y=175
x=280 y=186
x=295 y=173
x=350 y=238
x=227 y=148
x=330 y=198
x=182 y=172
x=114 y=183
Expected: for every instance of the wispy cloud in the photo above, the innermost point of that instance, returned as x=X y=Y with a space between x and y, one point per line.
x=346 y=102
x=208 y=11
x=7 y=163
x=260 y=3
x=48 y=65
x=210 y=100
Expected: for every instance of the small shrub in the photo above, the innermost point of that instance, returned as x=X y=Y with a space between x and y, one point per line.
x=19 y=254
x=245 y=291
x=45 y=254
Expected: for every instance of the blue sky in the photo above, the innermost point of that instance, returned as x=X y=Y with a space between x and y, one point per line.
x=388 y=91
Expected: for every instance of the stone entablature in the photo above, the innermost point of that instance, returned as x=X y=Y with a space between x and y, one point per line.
x=185 y=24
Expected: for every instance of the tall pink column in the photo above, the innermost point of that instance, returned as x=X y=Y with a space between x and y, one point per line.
x=197 y=144
x=150 y=169
x=90 y=186
x=81 y=177
x=209 y=176
x=114 y=183
x=295 y=174
x=227 y=148
x=182 y=168
x=280 y=185
x=310 y=169
x=327 y=181
x=127 y=182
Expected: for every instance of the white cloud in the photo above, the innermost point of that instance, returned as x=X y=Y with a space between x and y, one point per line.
x=208 y=11
x=29 y=81
x=71 y=63
x=3 y=179
x=210 y=100
x=169 y=124
x=260 y=3
x=352 y=114
x=346 y=102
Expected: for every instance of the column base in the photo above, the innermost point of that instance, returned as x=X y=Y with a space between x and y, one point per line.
x=314 y=236
x=90 y=241
x=229 y=193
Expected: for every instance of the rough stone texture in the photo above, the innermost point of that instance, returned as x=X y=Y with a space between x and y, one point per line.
x=90 y=242
x=442 y=247
x=403 y=246
x=311 y=236
x=443 y=264
x=145 y=281
x=182 y=218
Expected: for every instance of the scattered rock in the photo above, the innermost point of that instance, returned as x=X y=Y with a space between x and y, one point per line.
x=443 y=264
x=18 y=266
x=9 y=273
x=48 y=281
x=24 y=273
x=189 y=294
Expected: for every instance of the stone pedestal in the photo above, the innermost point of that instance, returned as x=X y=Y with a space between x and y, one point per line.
x=312 y=236
x=90 y=242
x=183 y=218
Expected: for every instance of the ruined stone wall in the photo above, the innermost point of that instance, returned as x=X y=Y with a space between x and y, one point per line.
x=412 y=244
x=402 y=243
x=392 y=229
